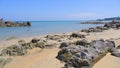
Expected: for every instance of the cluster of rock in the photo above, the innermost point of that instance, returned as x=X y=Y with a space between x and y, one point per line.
x=92 y=23
x=85 y=54
x=113 y=24
x=21 y=48
x=96 y=29
x=48 y=41
x=13 y=24
x=107 y=25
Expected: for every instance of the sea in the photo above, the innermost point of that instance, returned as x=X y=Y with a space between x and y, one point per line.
x=43 y=28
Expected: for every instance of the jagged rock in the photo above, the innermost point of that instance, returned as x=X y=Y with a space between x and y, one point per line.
x=77 y=35
x=113 y=24
x=52 y=37
x=81 y=56
x=64 y=44
x=40 y=45
x=118 y=47
x=56 y=37
x=53 y=45
x=82 y=42
x=21 y=42
x=13 y=51
x=96 y=29
x=111 y=45
x=117 y=54
x=34 y=40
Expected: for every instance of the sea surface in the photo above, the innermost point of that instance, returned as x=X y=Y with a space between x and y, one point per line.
x=43 y=28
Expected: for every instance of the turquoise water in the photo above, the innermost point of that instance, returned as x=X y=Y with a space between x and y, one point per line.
x=42 y=28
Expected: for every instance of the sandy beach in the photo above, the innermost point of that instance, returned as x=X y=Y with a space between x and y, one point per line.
x=46 y=58
x=60 y=34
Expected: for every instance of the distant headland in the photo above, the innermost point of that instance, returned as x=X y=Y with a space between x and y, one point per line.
x=103 y=21
x=4 y=23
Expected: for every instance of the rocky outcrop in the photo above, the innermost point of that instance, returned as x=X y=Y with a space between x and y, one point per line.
x=13 y=24
x=80 y=56
x=113 y=24
x=21 y=48
x=96 y=29
x=92 y=22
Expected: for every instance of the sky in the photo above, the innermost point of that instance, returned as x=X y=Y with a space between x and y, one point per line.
x=58 y=9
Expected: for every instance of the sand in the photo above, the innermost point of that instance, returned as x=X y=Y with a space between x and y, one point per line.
x=45 y=58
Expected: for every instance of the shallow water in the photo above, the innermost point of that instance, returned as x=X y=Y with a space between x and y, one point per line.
x=43 y=28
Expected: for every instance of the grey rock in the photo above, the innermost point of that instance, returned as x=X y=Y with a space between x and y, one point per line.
x=118 y=47
x=80 y=56
x=117 y=54
x=13 y=51
x=34 y=40
x=77 y=35
x=82 y=42
x=64 y=44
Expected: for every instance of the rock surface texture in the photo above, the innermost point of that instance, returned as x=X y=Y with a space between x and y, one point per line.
x=84 y=54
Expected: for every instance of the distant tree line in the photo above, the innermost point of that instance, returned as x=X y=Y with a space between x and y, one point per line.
x=112 y=18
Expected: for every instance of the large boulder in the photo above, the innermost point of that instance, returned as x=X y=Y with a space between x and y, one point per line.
x=80 y=56
x=14 y=50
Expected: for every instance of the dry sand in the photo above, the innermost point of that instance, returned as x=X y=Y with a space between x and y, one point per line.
x=46 y=58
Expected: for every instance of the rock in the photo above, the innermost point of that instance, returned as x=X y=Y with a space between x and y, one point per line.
x=117 y=54
x=13 y=24
x=2 y=23
x=92 y=22
x=34 y=40
x=76 y=56
x=40 y=45
x=13 y=51
x=64 y=44
x=53 y=45
x=118 y=47
x=4 y=61
x=82 y=42
x=26 y=23
x=21 y=42
x=9 y=24
x=76 y=35
x=113 y=24
x=56 y=37
x=111 y=46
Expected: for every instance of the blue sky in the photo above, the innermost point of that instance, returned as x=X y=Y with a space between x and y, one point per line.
x=58 y=9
